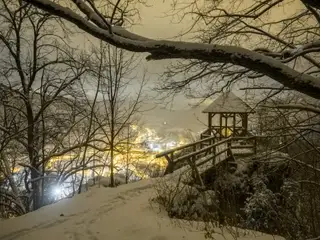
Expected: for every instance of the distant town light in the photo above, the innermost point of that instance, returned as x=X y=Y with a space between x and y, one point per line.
x=134 y=127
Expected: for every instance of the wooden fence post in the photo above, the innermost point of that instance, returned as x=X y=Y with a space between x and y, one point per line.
x=229 y=148
x=214 y=151
x=170 y=167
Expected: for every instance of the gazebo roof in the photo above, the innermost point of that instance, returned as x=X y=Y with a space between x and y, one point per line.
x=228 y=103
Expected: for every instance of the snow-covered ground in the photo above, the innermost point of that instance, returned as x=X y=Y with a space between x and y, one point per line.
x=102 y=213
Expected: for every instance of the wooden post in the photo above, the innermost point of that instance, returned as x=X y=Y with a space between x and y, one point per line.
x=234 y=125
x=229 y=148
x=225 y=125
x=194 y=148
x=209 y=123
x=214 y=151
x=170 y=167
x=220 y=126
x=245 y=123
x=195 y=172
x=192 y=163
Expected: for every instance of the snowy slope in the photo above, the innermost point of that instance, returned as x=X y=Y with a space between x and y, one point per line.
x=104 y=214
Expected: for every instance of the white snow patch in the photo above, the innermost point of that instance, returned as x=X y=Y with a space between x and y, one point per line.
x=105 y=213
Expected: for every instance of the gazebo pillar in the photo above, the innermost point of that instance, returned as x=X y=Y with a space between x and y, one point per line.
x=244 y=118
x=210 y=122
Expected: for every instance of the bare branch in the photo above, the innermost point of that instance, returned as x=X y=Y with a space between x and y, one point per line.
x=296 y=106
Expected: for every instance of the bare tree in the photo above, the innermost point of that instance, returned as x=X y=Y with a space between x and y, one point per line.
x=10 y=203
x=118 y=107
x=40 y=72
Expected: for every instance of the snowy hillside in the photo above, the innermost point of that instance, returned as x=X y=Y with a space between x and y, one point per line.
x=116 y=214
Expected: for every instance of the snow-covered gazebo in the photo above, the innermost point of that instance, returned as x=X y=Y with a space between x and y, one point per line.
x=227 y=116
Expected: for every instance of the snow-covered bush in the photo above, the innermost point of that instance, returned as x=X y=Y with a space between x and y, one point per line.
x=184 y=201
x=258 y=195
x=276 y=213
x=261 y=207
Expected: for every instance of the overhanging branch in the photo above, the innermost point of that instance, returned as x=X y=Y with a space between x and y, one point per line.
x=164 y=49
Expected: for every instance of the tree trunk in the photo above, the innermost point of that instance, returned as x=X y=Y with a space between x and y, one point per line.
x=111 y=163
x=127 y=160
x=36 y=197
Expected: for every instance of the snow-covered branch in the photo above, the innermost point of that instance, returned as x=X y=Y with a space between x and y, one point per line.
x=302 y=49
x=164 y=49
x=92 y=15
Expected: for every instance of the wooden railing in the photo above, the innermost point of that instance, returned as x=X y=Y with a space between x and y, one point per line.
x=205 y=147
